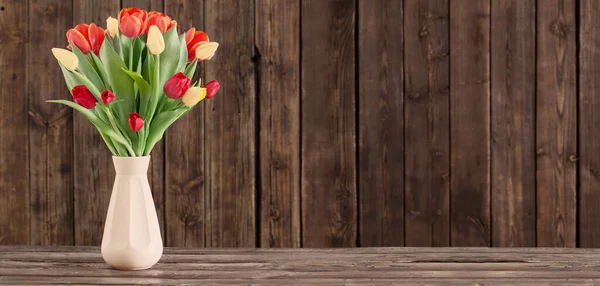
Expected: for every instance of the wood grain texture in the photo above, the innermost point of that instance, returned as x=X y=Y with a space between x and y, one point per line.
x=470 y=118
x=149 y=5
x=329 y=213
x=50 y=127
x=380 y=118
x=364 y=266
x=14 y=124
x=277 y=37
x=93 y=166
x=427 y=123
x=589 y=123
x=185 y=165
x=156 y=171
x=556 y=124
x=513 y=119
x=230 y=125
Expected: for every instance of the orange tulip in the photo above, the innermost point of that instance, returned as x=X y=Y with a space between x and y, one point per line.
x=131 y=21
x=162 y=21
x=193 y=40
x=86 y=38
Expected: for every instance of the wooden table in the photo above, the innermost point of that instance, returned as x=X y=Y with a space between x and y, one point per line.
x=387 y=266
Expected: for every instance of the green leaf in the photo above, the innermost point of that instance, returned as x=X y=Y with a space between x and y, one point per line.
x=191 y=69
x=158 y=126
x=87 y=70
x=70 y=78
x=145 y=92
x=148 y=68
x=101 y=70
x=183 y=54
x=121 y=84
x=108 y=142
x=144 y=86
x=169 y=58
x=138 y=51
x=102 y=126
x=125 y=46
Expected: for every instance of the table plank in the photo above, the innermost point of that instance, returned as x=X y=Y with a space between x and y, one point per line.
x=24 y=265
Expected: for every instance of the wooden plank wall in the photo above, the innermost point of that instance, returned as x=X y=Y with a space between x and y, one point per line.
x=340 y=123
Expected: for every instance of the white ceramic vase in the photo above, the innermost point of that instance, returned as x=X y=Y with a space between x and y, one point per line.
x=131 y=239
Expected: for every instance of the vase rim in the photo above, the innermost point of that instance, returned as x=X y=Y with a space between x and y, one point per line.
x=136 y=157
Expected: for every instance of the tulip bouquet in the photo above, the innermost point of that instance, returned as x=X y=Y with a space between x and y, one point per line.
x=133 y=80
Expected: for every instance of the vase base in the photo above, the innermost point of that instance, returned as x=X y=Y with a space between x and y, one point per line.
x=131 y=269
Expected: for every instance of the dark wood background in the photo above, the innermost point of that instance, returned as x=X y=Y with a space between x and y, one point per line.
x=339 y=123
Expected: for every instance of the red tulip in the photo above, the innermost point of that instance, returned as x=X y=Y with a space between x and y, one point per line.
x=193 y=40
x=176 y=86
x=131 y=21
x=83 y=96
x=135 y=122
x=162 y=21
x=107 y=96
x=86 y=38
x=211 y=88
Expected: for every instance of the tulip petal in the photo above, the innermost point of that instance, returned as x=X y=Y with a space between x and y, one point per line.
x=130 y=26
x=75 y=37
x=135 y=122
x=96 y=38
x=206 y=50
x=189 y=35
x=155 y=41
x=211 y=88
x=193 y=95
x=176 y=86
x=155 y=20
x=200 y=36
x=66 y=58
x=83 y=29
x=112 y=26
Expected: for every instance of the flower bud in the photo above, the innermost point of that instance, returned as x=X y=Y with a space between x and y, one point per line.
x=211 y=88
x=193 y=95
x=176 y=86
x=83 y=96
x=155 y=41
x=206 y=50
x=107 y=96
x=66 y=58
x=135 y=121
x=112 y=26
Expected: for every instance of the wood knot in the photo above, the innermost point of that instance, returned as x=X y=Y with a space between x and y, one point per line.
x=573 y=158
x=193 y=183
x=595 y=172
x=540 y=151
x=424 y=32
x=445 y=176
x=559 y=29
x=414 y=95
x=274 y=214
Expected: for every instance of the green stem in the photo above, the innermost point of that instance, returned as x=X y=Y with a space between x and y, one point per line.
x=131 y=55
x=114 y=126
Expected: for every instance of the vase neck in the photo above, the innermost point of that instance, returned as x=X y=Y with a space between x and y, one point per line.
x=131 y=165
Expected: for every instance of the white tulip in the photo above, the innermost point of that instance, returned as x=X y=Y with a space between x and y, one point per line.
x=112 y=26
x=66 y=58
x=155 y=41
x=206 y=50
x=193 y=95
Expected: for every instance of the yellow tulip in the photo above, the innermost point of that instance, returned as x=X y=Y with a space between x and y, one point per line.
x=66 y=58
x=112 y=26
x=193 y=95
x=206 y=50
x=155 y=42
